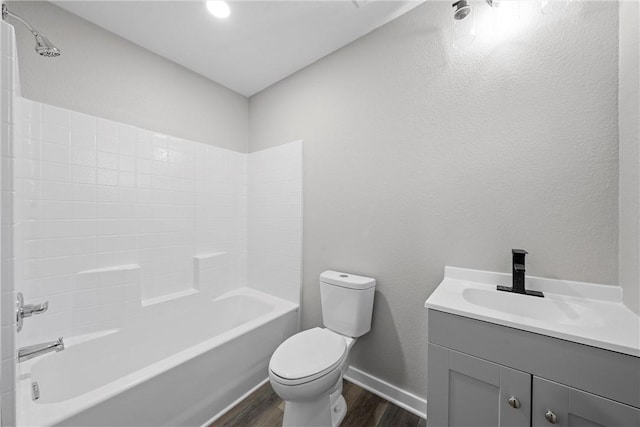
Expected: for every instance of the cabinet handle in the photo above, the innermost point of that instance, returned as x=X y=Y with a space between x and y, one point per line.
x=513 y=402
x=551 y=417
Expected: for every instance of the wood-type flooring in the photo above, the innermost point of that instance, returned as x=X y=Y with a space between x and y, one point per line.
x=263 y=408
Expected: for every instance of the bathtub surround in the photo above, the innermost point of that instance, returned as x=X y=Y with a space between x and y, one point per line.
x=116 y=218
x=114 y=215
x=419 y=156
x=104 y=75
x=629 y=134
x=120 y=227
x=274 y=189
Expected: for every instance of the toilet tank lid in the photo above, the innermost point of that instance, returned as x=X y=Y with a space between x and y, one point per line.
x=347 y=280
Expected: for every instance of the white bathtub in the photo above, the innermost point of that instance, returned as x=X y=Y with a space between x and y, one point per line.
x=180 y=365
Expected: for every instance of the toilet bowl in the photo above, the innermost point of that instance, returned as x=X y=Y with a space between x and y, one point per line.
x=306 y=370
x=309 y=363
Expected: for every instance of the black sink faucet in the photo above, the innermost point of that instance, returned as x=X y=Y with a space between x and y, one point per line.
x=517 y=272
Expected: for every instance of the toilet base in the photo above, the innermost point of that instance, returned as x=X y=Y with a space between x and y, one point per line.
x=327 y=410
x=338 y=411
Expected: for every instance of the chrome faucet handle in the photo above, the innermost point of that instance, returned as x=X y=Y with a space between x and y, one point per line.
x=27 y=310
x=31 y=309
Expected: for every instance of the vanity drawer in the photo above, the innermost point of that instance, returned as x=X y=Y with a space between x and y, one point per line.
x=606 y=373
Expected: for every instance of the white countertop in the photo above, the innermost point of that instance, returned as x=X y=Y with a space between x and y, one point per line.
x=581 y=312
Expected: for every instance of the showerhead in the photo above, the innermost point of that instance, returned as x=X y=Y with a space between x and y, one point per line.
x=43 y=46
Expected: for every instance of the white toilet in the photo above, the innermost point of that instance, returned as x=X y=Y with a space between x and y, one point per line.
x=306 y=370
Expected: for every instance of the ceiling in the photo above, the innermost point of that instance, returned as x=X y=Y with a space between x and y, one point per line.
x=261 y=42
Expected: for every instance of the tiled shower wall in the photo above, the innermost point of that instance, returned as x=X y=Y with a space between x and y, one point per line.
x=113 y=216
x=8 y=89
x=274 y=186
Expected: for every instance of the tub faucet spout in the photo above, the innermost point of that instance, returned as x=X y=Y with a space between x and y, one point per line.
x=31 y=351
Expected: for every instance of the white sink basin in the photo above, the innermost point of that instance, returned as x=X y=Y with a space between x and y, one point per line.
x=551 y=308
x=581 y=312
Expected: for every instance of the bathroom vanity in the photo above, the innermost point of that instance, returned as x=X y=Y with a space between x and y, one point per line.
x=571 y=358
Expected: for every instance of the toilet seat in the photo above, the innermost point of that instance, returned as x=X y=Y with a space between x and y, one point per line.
x=307 y=356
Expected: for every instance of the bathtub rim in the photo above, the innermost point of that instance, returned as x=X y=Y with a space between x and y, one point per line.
x=31 y=413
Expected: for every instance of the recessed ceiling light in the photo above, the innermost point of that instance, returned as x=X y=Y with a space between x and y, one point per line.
x=219 y=9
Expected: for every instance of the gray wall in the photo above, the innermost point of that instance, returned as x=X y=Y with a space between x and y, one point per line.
x=104 y=75
x=418 y=156
x=629 y=128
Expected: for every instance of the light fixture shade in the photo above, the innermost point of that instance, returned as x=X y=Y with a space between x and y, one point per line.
x=506 y=17
x=462 y=10
x=218 y=8
x=463 y=29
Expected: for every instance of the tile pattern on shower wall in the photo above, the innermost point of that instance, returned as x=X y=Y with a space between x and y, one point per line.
x=105 y=298
x=98 y=194
x=8 y=89
x=212 y=274
x=274 y=185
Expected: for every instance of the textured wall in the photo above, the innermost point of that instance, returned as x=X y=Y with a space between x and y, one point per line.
x=419 y=156
x=629 y=128
x=107 y=76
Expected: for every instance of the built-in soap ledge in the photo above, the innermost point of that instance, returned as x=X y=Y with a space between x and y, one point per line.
x=211 y=273
x=118 y=276
x=124 y=267
x=168 y=297
x=103 y=298
x=210 y=277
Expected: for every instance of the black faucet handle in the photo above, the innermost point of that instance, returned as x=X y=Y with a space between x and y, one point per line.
x=518 y=277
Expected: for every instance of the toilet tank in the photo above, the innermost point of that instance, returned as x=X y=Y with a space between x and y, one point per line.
x=347 y=302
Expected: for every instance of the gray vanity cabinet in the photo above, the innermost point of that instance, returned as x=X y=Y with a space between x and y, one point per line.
x=468 y=391
x=484 y=374
x=564 y=406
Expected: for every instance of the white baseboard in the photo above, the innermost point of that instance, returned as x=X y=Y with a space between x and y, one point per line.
x=402 y=398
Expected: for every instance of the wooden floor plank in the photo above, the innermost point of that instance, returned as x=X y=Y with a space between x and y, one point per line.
x=250 y=408
x=379 y=412
x=271 y=416
x=398 y=417
x=263 y=408
x=361 y=412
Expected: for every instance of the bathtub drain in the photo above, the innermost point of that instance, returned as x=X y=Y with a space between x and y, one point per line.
x=35 y=391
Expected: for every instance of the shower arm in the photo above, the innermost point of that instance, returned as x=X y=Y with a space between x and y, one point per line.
x=5 y=13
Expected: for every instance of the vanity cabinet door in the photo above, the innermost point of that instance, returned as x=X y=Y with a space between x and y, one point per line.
x=466 y=391
x=564 y=406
